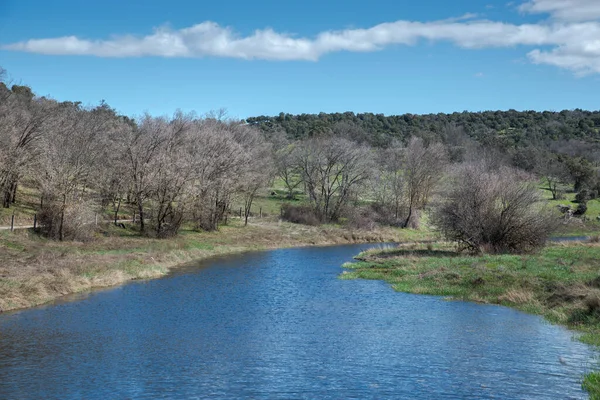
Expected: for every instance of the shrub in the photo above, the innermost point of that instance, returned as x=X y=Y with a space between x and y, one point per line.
x=581 y=209
x=362 y=218
x=299 y=214
x=384 y=215
x=583 y=196
x=77 y=223
x=493 y=211
x=168 y=226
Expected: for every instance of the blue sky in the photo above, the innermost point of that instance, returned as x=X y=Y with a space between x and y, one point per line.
x=263 y=57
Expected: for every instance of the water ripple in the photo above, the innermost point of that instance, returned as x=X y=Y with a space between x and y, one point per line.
x=280 y=325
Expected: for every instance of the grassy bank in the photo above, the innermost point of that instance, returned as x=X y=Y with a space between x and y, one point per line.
x=34 y=270
x=561 y=283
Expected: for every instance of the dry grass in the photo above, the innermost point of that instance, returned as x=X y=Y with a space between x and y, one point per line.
x=517 y=296
x=34 y=270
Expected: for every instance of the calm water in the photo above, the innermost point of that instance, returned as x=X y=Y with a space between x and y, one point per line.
x=280 y=324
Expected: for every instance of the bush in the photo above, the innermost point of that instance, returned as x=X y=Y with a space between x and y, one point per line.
x=493 y=211
x=581 y=209
x=384 y=215
x=362 y=218
x=583 y=196
x=78 y=222
x=299 y=214
x=169 y=226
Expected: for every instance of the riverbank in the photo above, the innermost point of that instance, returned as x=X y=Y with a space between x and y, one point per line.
x=561 y=282
x=34 y=270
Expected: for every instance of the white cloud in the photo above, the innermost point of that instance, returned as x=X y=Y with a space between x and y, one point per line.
x=564 y=10
x=564 y=41
x=210 y=39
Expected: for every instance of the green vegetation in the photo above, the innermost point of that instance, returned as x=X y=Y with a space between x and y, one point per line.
x=561 y=282
x=505 y=128
x=591 y=383
x=589 y=225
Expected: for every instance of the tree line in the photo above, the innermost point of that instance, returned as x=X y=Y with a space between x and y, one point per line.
x=83 y=160
x=475 y=173
x=506 y=128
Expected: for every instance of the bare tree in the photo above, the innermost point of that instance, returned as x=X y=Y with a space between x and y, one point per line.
x=554 y=172
x=74 y=149
x=22 y=123
x=173 y=170
x=232 y=160
x=459 y=144
x=332 y=169
x=215 y=178
x=142 y=147
x=286 y=166
x=388 y=183
x=423 y=170
x=257 y=168
x=493 y=211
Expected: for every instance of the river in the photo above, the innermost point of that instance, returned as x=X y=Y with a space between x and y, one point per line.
x=281 y=325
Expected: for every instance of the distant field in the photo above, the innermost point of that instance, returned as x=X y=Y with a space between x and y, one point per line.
x=576 y=227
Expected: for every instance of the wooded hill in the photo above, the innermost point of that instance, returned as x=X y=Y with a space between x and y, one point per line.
x=507 y=129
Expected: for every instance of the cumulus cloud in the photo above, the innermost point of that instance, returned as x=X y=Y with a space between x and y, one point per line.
x=564 y=10
x=567 y=40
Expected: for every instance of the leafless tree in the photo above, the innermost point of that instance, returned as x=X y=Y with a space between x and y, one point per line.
x=489 y=210
x=423 y=170
x=142 y=147
x=232 y=160
x=74 y=149
x=459 y=144
x=333 y=169
x=174 y=169
x=257 y=170
x=22 y=123
x=215 y=179
x=554 y=172
x=388 y=185
x=286 y=165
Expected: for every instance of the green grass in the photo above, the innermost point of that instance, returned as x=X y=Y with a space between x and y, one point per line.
x=561 y=282
x=593 y=206
x=576 y=226
x=591 y=383
x=269 y=200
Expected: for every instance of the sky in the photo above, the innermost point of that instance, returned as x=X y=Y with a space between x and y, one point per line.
x=306 y=56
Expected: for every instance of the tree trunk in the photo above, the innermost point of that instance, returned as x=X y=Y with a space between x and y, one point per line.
x=247 y=212
x=410 y=209
x=61 y=234
x=14 y=192
x=6 y=199
x=9 y=194
x=117 y=210
x=141 y=212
